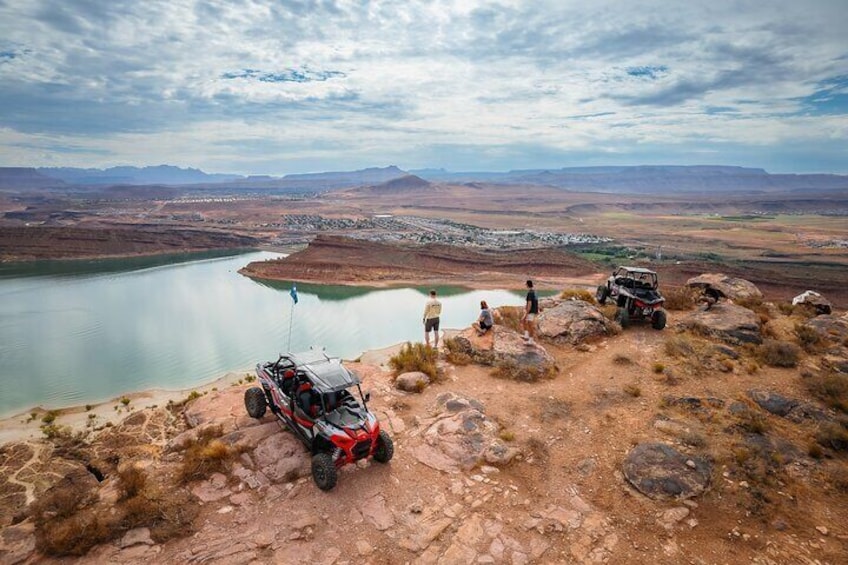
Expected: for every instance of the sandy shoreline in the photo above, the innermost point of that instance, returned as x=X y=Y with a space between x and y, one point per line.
x=23 y=426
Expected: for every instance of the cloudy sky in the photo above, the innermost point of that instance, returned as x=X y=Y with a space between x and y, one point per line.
x=283 y=86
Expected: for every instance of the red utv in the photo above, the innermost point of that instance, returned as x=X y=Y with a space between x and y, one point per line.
x=311 y=393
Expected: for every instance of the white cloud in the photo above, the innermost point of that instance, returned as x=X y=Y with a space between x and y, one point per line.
x=368 y=83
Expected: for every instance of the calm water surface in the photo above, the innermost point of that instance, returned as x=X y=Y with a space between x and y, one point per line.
x=77 y=333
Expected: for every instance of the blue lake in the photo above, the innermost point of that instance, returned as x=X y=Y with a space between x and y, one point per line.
x=73 y=333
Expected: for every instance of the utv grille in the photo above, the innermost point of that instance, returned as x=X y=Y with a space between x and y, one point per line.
x=362 y=448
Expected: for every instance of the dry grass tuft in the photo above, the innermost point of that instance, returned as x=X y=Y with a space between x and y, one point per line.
x=658 y=367
x=416 y=357
x=523 y=373
x=510 y=316
x=578 y=294
x=554 y=409
x=132 y=481
x=454 y=353
x=204 y=457
x=621 y=359
x=831 y=388
x=778 y=353
x=680 y=297
x=753 y=422
x=833 y=436
x=633 y=390
x=808 y=338
x=680 y=345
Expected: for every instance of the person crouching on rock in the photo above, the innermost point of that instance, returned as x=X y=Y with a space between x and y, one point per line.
x=485 y=321
x=432 y=311
x=531 y=308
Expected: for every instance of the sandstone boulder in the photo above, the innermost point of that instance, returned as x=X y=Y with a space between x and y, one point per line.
x=506 y=348
x=661 y=472
x=728 y=322
x=414 y=381
x=459 y=436
x=573 y=322
x=789 y=408
x=833 y=332
x=814 y=300
x=729 y=287
x=281 y=458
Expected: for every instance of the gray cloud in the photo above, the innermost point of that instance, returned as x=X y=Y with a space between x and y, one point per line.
x=477 y=82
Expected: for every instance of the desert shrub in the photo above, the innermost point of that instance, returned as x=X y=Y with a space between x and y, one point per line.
x=608 y=310
x=455 y=353
x=633 y=390
x=578 y=294
x=658 y=367
x=204 y=457
x=64 y=521
x=125 y=400
x=523 y=373
x=756 y=305
x=679 y=297
x=778 y=353
x=833 y=436
x=838 y=478
x=621 y=359
x=786 y=308
x=507 y=435
x=509 y=316
x=192 y=395
x=537 y=449
x=680 y=345
x=815 y=451
x=552 y=408
x=752 y=422
x=50 y=417
x=694 y=439
x=167 y=516
x=74 y=535
x=831 y=388
x=808 y=337
x=415 y=357
x=132 y=481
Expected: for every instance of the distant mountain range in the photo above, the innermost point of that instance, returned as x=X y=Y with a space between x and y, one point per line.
x=647 y=178
x=161 y=174
x=620 y=179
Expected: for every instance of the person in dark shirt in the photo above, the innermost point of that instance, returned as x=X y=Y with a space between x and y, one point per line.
x=531 y=309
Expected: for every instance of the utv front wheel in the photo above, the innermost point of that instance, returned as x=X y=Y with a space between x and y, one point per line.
x=255 y=402
x=602 y=294
x=385 y=448
x=622 y=317
x=658 y=320
x=324 y=471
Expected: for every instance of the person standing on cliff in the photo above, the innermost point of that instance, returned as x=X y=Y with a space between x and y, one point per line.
x=432 y=311
x=531 y=308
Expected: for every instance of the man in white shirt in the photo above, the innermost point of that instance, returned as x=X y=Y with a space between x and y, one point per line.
x=432 y=311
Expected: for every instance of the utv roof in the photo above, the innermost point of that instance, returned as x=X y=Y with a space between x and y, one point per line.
x=326 y=373
x=639 y=270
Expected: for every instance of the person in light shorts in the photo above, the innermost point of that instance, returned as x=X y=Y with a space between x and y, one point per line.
x=531 y=310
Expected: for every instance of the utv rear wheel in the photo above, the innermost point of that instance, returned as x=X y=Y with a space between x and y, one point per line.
x=385 y=448
x=658 y=320
x=324 y=471
x=602 y=294
x=622 y=317
x=255 y=402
